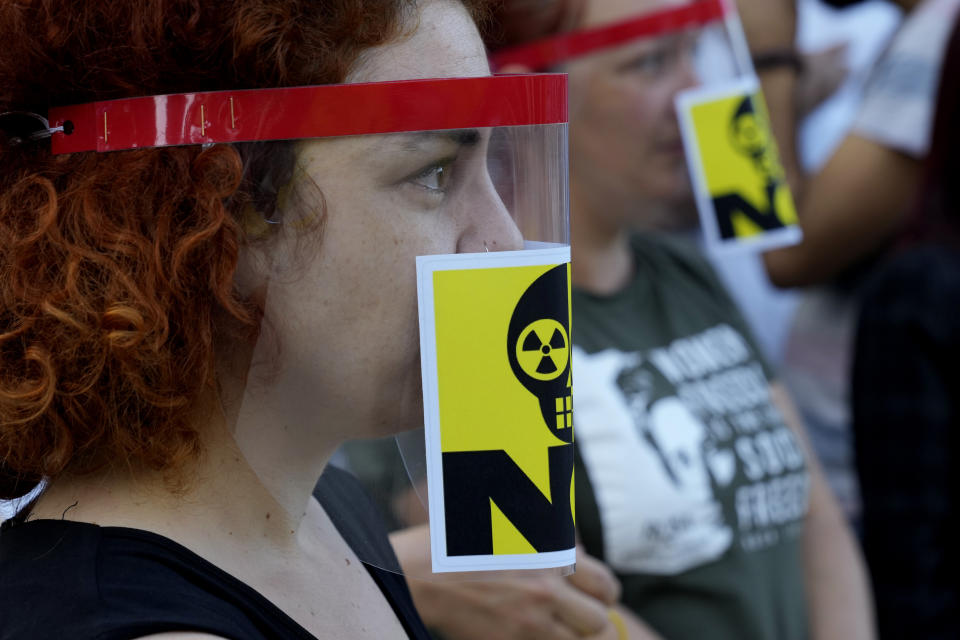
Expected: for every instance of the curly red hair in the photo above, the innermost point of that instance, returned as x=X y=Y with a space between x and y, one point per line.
x=116 y=270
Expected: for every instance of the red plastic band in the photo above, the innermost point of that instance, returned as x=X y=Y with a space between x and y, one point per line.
x=548 y=52
x=312 y=112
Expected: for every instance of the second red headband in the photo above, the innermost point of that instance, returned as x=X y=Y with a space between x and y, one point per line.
x=544 y=54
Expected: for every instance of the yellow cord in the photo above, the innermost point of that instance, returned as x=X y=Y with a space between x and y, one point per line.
x=617 y=621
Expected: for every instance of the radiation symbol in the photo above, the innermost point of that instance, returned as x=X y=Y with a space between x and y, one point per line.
x=543 y=349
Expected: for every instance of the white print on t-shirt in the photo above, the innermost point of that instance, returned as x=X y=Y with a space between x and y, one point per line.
x=663 y=468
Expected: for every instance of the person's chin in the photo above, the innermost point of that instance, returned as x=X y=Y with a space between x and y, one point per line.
x=681 y=193
x=684 y=207
x=671 y=187
x=670 y=206
x=405 y=411
x=672 y=151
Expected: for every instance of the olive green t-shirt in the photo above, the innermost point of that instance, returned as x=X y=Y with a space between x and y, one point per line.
x=689 y=484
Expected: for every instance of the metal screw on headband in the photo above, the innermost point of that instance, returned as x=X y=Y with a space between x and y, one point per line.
x=25 y=126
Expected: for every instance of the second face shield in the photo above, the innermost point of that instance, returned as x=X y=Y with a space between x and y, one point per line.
x=405 y=246
x=696 y=54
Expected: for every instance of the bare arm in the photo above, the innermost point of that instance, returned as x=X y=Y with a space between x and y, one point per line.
x=837 y=589
x=856 y=203
x=849 y=210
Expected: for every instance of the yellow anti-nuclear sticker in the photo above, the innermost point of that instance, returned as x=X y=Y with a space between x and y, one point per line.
x=740 y=166
x=505 y=409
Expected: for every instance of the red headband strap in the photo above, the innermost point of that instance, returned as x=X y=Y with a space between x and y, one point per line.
x=548 y=52
x=311 y=112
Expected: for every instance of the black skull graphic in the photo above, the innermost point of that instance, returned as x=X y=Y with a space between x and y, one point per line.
x=538 y=346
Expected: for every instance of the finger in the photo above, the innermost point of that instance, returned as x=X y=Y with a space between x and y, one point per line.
x=552 y=629
x=596 y=579
x=522 y=609
x=534 y=619
x=581 y=612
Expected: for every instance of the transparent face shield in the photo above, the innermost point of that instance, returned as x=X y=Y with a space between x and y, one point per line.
x=691 y=110
x=405 y=246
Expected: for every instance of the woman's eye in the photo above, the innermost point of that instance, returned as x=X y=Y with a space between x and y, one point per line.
x=436 y=177
x=651 y=63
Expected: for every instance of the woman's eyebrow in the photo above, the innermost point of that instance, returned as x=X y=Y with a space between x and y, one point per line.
x=648 y=46
x=461 y=137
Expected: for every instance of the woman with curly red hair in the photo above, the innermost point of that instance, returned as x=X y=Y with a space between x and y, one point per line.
x=153 y=301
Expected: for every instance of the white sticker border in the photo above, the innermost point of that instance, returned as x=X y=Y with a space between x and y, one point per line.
x=538 y=254
x=685 y=102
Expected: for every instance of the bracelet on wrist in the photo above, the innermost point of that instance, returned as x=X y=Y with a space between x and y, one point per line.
x=778 y=59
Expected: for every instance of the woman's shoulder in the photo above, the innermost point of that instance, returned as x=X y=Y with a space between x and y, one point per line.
x=105 y=582
x=677 y=266
x=675 y=255
x=49 y=579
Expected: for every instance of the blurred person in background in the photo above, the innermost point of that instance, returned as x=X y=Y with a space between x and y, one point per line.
x=906 y=399
x=850 y=210
x=853 y=207
x=834 y=50
x=693 y=481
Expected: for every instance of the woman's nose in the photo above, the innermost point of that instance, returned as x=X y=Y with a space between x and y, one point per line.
x=488 y=225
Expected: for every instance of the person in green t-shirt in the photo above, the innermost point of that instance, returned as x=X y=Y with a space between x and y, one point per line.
x=694 y=483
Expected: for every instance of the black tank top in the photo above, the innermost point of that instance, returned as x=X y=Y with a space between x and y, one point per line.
x=62 y=579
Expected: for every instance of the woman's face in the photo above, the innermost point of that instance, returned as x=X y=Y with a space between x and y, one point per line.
x=347 y=322
x=625 y=139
